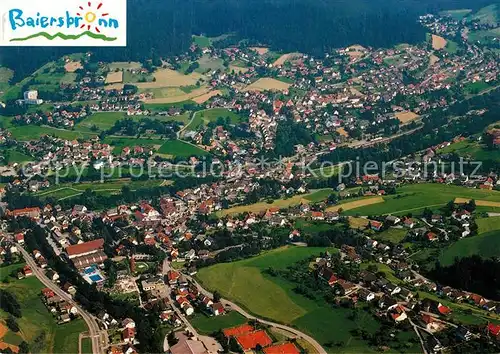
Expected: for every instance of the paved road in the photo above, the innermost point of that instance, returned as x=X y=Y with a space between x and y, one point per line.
x=95 y=332
x=237 y=308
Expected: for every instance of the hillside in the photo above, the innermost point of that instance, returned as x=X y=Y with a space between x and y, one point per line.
x=159 y=28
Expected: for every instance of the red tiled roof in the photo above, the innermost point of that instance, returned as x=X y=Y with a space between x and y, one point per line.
x=85 y=247
x=250 y=340
x=443 y=309
x=494 y=329
x=286 y=348
x=235 y=331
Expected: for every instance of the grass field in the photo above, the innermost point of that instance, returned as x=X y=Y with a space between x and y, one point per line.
x=208 y=325
x=357 y=204
x=486 y=244
x=472 y=149
x=14 y=156
x=86 y=346
x=451 y=47
x=201 y=41
x=391 y=235
x=268 y=84
x=68 y=190
x=314 y=196
x=33 y=132
x=5 y=76
x=180 y=148
x=414 y=198
x=206 y=96
x=487 y=15
x=274 y=298
x=102 y=120
x=119 y=143
x=456 y=14
x=209 y=64
x=124 y=65
x=202 y=118
x=37 y=321
x=476 y=87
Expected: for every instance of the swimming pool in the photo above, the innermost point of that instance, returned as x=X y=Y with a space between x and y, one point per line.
x=89 y=270
x=95 y=278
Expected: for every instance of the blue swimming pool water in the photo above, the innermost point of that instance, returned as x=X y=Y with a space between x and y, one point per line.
x=95 y=278
x=89 y=270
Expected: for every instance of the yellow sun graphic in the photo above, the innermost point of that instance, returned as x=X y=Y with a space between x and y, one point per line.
x=90 y=16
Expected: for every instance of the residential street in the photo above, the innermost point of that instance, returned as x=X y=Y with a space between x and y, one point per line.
x=97 y=336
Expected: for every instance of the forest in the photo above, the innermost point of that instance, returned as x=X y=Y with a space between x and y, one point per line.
x=158 y=28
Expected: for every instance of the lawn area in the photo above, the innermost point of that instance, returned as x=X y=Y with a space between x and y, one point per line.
x=472 y=149
x=209 y=64
x=319 y=195
x=314 y=196
x=313 y=227
x=488 y=224
x=485 y=245
x=102 y=120
x=37 y=321
x=206 y=116
x=456 y=14
x=33 y=132
x=486 y=15
x=68 y=190
x=160 y=107
x=274 y=298
x=208 y=325
x=474 y=88
x=451 y=47
x=392 y=234
x=86 y=346
x=384 y=268
x=413 y=198
x=119 y=143
x=14 y=156
x=201 y=41
x=180 y=148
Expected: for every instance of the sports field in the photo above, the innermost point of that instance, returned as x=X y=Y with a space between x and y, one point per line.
x=313 y=197
x=36 y=320
x=413 y=198
x=438 y=42
x=406 y=117
x=274 y=298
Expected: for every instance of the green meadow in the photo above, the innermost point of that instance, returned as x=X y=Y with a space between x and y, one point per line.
x=36 y=321
x=414 y=198
x=202 y=118
x=180 y=148
x=486 y=244
x=273 y=298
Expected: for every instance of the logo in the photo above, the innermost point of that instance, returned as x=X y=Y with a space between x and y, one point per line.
x=67 y=23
